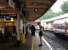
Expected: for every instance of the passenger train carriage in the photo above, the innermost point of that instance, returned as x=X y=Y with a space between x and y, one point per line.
x=58 y=24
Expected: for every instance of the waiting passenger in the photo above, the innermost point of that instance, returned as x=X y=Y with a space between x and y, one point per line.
x=33 y=30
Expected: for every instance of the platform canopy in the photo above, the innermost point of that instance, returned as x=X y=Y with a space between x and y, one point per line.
x=31 y=9
x=36 y=8
x=5 y=9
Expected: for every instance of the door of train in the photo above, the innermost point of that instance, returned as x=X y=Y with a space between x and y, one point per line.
x=9 y=30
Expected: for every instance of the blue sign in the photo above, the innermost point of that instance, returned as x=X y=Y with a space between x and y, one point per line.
x=7 y=17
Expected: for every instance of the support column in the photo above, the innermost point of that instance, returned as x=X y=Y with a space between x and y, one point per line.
x=18 y=26
x=24 y=24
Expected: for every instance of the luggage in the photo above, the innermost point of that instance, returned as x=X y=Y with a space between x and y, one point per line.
x=23 y=38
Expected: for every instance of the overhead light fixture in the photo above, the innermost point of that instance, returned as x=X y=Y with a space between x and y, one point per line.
x=12 y=19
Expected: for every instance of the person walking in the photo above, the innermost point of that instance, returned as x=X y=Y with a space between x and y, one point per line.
x=40 y=34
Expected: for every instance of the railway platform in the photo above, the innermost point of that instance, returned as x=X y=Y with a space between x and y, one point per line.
x=31 y=43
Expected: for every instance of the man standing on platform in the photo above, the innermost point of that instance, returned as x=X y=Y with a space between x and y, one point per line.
x=33 y=30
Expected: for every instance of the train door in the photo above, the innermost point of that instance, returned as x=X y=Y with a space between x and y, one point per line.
x=13 y=30
x=7 y=32
x=10 y=32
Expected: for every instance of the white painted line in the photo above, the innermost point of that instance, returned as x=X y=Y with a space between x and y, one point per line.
x=45 y=42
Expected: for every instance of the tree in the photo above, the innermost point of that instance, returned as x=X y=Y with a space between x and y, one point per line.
x=50 y=14
x=64 y=7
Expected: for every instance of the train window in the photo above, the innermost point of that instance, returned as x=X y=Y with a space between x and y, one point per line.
x=60 y=26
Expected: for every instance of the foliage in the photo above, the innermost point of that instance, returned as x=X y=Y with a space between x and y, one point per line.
x=64 y=7
x=50 y=14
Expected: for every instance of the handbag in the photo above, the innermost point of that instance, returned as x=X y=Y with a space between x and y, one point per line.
x=23 y=38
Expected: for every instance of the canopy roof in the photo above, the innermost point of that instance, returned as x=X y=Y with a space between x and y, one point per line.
x=5 y=9
x=36 y=8
x=33 y=8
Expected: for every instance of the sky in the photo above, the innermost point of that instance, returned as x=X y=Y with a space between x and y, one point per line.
x=57 y=6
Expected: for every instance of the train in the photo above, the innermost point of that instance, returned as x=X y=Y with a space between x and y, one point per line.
x=7 y=26
x=61 y=27
x=58 y=25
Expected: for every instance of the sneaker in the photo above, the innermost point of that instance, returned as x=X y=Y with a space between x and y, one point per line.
x=40 y=45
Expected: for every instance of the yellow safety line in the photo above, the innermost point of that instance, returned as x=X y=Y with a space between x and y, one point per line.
x=32 y=48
